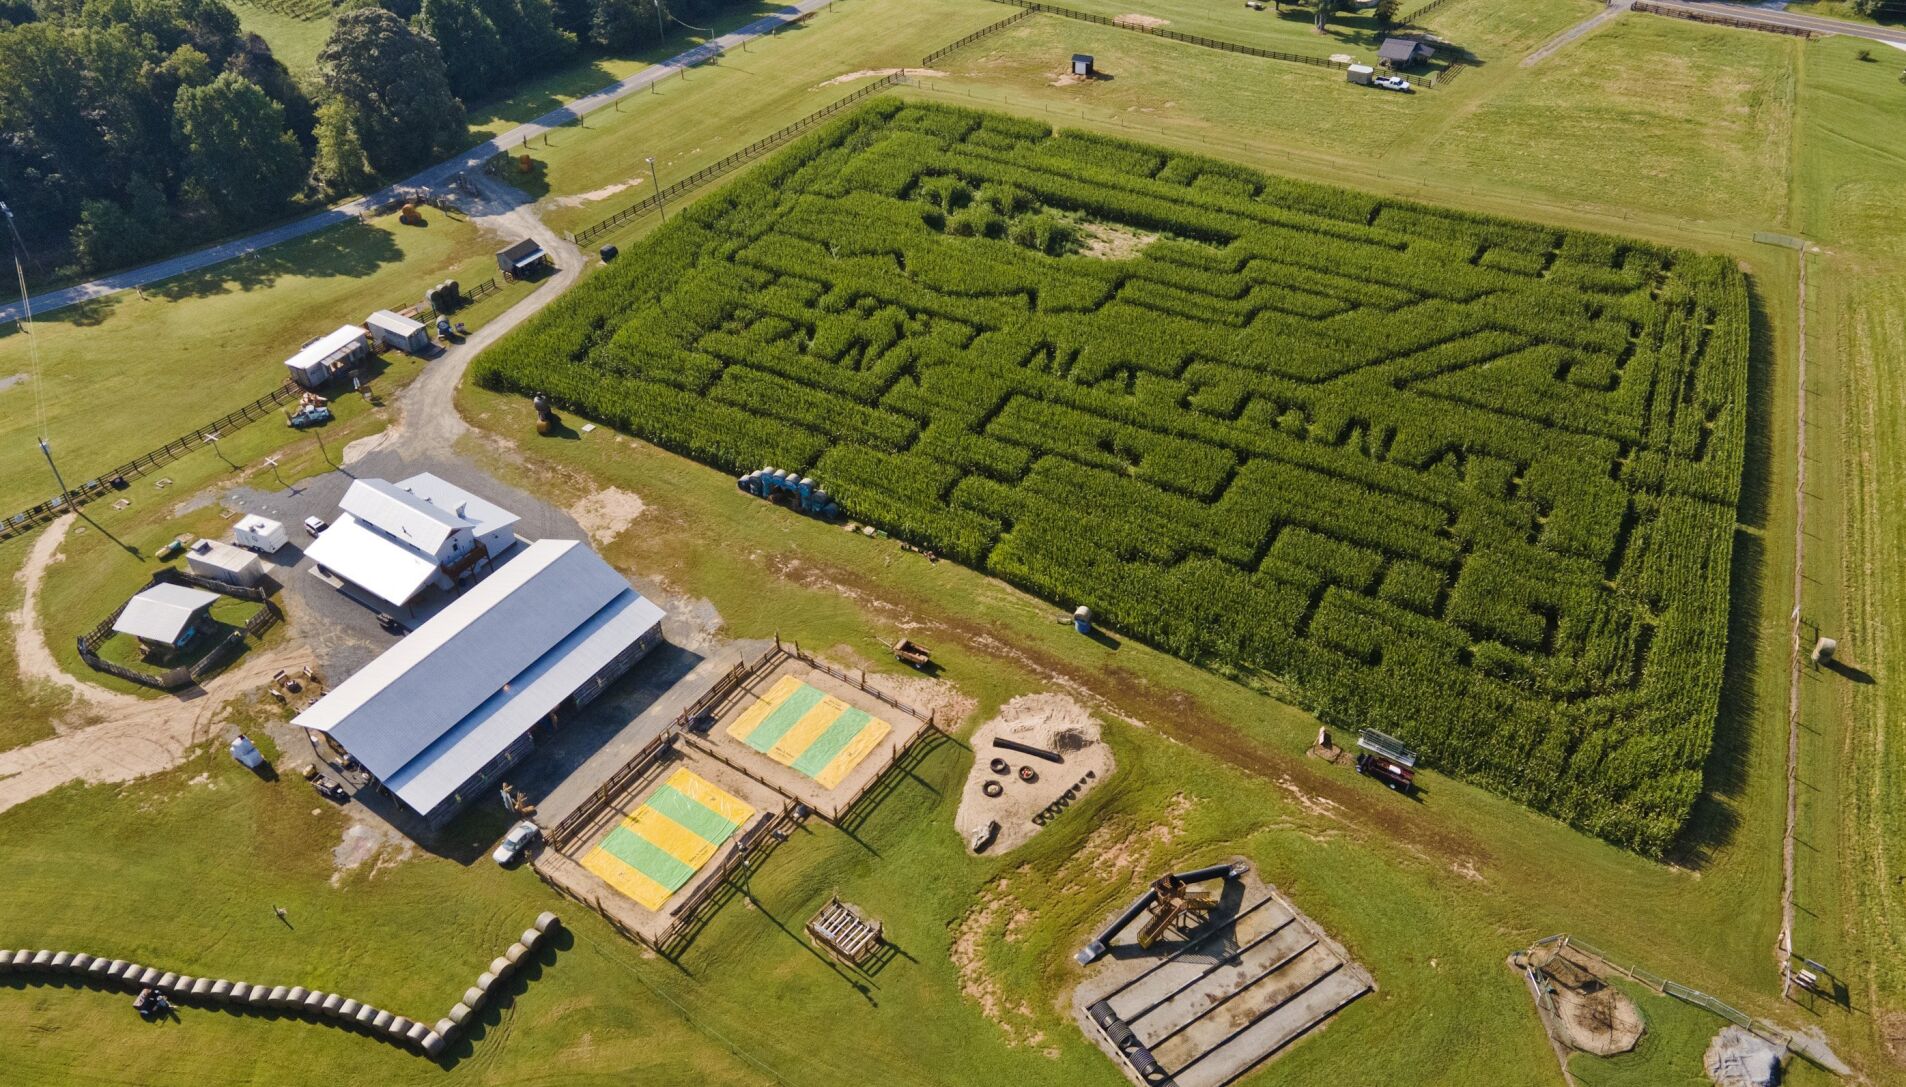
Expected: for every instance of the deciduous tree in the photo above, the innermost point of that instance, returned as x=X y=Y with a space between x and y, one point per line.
x=392 y=79
x=239 y=158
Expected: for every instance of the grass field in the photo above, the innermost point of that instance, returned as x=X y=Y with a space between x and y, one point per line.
x=132 y=371
x=603 y=1013
x=295 y=30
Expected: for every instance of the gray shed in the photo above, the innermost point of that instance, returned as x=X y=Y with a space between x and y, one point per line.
x=521 y=258
x=395 y=330
x=1403 y=52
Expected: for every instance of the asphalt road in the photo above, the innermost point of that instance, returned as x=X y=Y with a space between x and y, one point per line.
x=1755 y=14
x=471 y=160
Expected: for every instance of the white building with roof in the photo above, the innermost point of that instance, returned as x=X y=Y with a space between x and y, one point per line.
x=321 y=359
x=220 y=561
x=439 y=716
x=393 y=540
x=165 y=618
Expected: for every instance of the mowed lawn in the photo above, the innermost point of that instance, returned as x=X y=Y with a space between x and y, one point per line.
x=1647 y=112
x=703 y=115
x=294 y=32
x=127 y=373
x=1356 y=31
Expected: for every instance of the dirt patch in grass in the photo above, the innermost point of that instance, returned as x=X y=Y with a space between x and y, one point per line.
x=1023 y=808
x=976 y=930
x=1135 y=19
x=881 y=73
x=606 y=514
x=364 y=842
x=1108 y=241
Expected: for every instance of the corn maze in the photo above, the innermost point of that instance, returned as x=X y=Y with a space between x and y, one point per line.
x=1467 y=480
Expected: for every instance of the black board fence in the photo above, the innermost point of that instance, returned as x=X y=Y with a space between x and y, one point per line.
x=985 y=31
x=174 y=678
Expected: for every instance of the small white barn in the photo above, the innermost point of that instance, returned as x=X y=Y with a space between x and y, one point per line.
x=440 y=716
x=393 y=540
x=165 y=618
x=217 y=560
x=395 y=330
x=323 y=358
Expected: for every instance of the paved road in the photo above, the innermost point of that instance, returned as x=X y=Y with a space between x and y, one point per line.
x=1755 y=14
x=1614 y=9
x=471 y=160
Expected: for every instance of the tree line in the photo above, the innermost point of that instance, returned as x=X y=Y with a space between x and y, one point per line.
x=129 y=128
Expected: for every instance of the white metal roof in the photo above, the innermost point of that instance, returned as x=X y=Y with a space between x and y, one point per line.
x=391 y=321
x=263 y=526
x=487 y=515
x=373 y=560
x=324 y=350
x=161 y=613
x=445 y=701
x=224 y=556
x=402 y=515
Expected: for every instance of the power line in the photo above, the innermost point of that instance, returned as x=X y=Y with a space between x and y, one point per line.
x=25 y=323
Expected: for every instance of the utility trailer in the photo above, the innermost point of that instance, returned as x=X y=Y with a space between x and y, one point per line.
x=1387 y=759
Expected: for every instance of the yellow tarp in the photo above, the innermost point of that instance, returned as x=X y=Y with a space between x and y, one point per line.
x=671 y=837
x=758 y=712
x=644 y=891
x=853 y=754
x=731 y=808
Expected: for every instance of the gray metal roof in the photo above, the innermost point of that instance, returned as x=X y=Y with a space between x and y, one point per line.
x=403 y=516
x=163 y=612
x=450 y=697
x=487 y=515
x=1398 y=49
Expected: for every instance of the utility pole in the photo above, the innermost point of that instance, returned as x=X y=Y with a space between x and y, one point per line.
x=48 y=451
x=656 y=181
x=661 y=33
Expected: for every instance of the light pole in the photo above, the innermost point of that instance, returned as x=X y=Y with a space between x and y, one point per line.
x=657 y=182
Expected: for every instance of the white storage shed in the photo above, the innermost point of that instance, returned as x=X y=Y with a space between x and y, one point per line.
x=321 y=359
x=220 y=561
x=395 y=330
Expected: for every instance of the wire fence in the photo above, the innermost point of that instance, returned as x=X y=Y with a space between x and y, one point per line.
x=703 y=176
x=112 y=480
x=1674 y=989
x=1200 y=40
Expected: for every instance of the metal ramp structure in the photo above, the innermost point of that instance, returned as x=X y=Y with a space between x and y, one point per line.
x=846 y=935
x=1234 y=995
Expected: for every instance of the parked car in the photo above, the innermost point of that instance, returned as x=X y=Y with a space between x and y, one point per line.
x=315 y=525
x=515 y=842
x=1394 y=83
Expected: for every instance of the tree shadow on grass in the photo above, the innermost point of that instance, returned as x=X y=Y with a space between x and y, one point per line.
x=354 y=249
x=1716 y=818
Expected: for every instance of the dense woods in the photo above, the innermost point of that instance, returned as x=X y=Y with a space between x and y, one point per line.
x=1467 y=480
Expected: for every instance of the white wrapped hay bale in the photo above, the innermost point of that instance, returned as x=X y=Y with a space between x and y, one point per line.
x=433 y=1044
x=331 y=1004
x=349 y=1009
x=531 y=938
x=366 y=1016
x=201 y=987
x=277 y=995
x=42 y=960
x=485 y=980
x=545 y=921
x=516 y=954
x=62 y=960
x=460 y=1012
x=100 y=969
x=474 y=996
x=221 y=990
x=398 y=1027
x=416 y=1033
x=116 y=969
x=295 y=997
x=168 y=982
x=500 y=966
x=261 y=995
x=149 y=976
x=445 y=1027
x=381 y=1020
x=81 y=961
x=314 y=1001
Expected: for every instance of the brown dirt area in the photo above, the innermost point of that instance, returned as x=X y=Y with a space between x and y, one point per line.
x=976 y=931
x=606 y=514
x=1591 y=1015
x=1107 y=241
x=881 y=73
x=1135 y=19
x=1054 y=722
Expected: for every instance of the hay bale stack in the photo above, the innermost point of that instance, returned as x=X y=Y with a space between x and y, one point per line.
x=545 y=921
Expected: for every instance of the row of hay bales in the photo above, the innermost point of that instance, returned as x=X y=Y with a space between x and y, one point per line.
x=395 y=1028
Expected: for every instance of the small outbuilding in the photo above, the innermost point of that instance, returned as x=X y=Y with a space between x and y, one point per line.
x=327 y=356
x=1404 y=52
x=521 y=259
x=395 y=330
x=1082 y=65
x=165 y=619
x=216 y=560
x=260 y=534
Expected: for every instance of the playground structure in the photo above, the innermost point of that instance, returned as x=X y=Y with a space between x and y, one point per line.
x=845 y=933
x=785 y=488
x=1227 y=980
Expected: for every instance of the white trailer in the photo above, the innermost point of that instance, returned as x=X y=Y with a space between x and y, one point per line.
x=1360 y=73
x=260 y=534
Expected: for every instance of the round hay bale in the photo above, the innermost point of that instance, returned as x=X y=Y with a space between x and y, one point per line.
x=460 y=1012
x=6 y=959
x=201 y=986
x=445 y=1027
x=399 y=1027
x=314 y=1001
x=433 y=1044
x=381 y=1020
x=114 y=969
x=221 y=990
x=261 y=995
x=366 y=1015
x=22 y=959
x=516 y=953
x=100 y=968
x=241 y=992
x=81 y=961
x=62 y=960
x=416 y=1032
x=545 y=921
x=500 y=966
x=167 y=981
x=473 y=997
x=295 y=998
x=42 y=960
x=485 y=980
x=149 y=976
x=349 y=1009
x=530 y=939
x=277 y=995
x=331 y=1004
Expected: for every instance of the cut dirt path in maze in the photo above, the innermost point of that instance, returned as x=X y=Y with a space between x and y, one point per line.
x=108 y=736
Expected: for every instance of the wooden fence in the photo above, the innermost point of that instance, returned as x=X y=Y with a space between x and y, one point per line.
x=426 y=311
x=185 y=675
x=104 y=484
x=1200 y=40
x=983 y=32
x=1721 y=18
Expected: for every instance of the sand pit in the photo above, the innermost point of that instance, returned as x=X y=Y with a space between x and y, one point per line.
x=1741 y=1058
x=1134 y=19
x=881 y=73
x=606 y=514
x=1598 y=1019
x=1050 y=721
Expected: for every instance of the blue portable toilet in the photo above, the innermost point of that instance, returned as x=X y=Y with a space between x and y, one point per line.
x=1082 y=619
